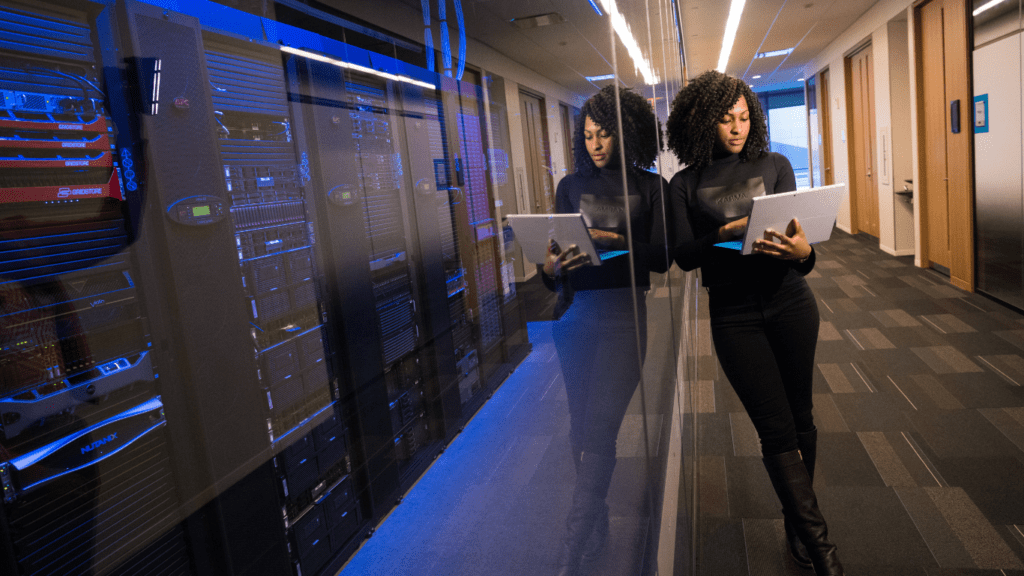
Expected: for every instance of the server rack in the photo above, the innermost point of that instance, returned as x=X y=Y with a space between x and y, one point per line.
x=85 y=465
x=352 y=126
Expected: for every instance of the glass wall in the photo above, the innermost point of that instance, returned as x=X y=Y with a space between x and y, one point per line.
x=259 y=286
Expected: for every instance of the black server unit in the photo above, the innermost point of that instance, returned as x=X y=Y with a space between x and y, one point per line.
x=480 y=235
x=513 y=319
x=232 y=248
x=354 y=128
x=450 y=330
x=85 y=465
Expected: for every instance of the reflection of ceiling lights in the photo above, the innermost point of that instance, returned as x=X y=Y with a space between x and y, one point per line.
x=731 y=26
x=626 y=37
x=773 y=53
x=356 y=67
x=538 y=20
x=598 y=78
x=986 y=6
x=756 y=77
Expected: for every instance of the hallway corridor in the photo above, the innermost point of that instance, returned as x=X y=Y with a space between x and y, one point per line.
x=920 y=408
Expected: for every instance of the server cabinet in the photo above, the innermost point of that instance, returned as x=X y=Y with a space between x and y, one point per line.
x=232 y=247
x=351 y=124
x=85 y=462
x=480 y=232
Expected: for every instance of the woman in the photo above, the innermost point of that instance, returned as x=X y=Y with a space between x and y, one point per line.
x=596 y=335
x=764 y=318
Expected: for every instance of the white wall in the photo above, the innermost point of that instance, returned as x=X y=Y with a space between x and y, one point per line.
x=901 y=145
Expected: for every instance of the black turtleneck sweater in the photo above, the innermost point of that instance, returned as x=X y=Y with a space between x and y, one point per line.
x=600 y=200
x=703 y=201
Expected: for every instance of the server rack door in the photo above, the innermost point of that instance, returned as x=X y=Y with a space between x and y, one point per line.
x=450 y=334
x=325 y=138
x=354 y=128
x=85 y=467
x=212 y=380
x=481 y=239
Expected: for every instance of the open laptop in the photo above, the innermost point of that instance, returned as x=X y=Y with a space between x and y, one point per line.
x=816 y=208
x=535 y=231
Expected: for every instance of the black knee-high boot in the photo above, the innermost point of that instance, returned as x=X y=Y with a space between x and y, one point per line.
x=599 y=537
x=807 y=442
x=593 y=477
x=793 y=486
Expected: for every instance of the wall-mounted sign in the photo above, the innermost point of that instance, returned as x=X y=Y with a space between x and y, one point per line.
x=981 y=113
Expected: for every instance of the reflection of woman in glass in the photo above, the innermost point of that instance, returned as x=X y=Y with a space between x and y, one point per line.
x=597 y=336
x=764 y=318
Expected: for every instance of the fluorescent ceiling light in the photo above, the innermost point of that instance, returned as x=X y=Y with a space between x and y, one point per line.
x=774 y=53
x=756 y=77
x=799 y=79
x=986 y=6
x=539 y=20
x=597 y=78
x=640 y=63
x=596 y=9
x=731 y=26
x=356 y=67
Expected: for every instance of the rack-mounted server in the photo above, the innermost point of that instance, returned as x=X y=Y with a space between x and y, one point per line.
x=85 y=463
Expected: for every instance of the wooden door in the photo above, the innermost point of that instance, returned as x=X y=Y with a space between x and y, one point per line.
x=863 y=177
x=934 y=188
x=535 y=144
x=825 y=127
x=567 y=138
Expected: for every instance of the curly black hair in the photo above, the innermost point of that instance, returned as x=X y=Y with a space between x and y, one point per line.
x=640 y=127
x=693 y=123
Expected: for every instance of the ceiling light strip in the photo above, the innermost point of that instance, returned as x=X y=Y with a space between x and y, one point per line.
x=731 y=26
x=626 y=37
x=356 y=67
x=986 y=6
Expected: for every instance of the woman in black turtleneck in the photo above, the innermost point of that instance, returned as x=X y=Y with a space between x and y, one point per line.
x=596 y=334
x=764 y=317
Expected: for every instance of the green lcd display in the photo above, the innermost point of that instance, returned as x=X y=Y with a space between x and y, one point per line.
x=200 y=210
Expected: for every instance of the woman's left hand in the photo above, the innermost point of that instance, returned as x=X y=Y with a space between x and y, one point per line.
x=792 y=245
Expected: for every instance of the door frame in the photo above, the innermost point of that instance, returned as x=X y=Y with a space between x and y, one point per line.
x=825 y=126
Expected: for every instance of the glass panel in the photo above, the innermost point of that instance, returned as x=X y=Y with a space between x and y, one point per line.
x=259 y=284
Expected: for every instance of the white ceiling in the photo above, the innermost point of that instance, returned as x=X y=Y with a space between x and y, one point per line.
x=569 y=51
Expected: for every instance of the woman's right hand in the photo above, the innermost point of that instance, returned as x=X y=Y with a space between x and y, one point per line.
x=559 y=261
x=733 y=229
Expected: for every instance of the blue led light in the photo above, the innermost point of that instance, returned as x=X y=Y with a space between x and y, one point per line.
x=596 y=9
x=36 y=455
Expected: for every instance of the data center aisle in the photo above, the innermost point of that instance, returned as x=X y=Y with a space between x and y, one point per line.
x=495 y=502
x=919 y=400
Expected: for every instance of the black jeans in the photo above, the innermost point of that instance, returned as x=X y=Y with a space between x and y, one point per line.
x=596 y=342
x=765 y=343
